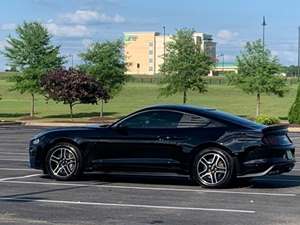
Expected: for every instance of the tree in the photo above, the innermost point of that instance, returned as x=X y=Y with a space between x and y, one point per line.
x=105 y=62
x=72 y=87
x=185 y=65
x=32 y=54
x=259 y=72
x=294 y=113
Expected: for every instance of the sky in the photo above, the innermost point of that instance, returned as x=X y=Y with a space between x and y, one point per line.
x=75 y=24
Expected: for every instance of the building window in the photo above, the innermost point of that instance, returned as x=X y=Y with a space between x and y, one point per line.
x=150 y=60
x=150 y=52
x=138 y=65
x=150 y=44
x=150 y=68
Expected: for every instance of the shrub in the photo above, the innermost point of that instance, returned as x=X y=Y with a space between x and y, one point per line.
x=267 y=120
x=294 y=113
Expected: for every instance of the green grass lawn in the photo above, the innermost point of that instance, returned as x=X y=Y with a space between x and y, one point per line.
x=136 y=95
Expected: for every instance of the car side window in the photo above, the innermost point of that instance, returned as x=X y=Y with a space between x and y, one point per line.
x=193 y=121
x=153 y=119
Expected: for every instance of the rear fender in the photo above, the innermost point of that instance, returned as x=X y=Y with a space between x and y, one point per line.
x=240 y=141
x=216 y=145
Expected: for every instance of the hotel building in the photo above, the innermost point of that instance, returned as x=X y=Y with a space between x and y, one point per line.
x=144 y=50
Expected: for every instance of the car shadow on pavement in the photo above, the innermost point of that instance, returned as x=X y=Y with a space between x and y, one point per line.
x=268 y=182
x=273 y=182
x=29 y=196
x=137 y=178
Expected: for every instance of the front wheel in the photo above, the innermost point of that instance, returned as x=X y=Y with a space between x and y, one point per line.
x=213 y=168
x=63 y=162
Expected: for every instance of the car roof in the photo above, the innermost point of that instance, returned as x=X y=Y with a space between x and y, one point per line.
x=209 y=112
x=179 y=107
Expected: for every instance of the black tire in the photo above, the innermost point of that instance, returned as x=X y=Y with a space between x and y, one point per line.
x=68 y=167
x=211 y=172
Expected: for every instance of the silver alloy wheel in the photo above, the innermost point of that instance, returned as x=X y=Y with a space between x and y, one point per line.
x=62 y=162
x=212 y=168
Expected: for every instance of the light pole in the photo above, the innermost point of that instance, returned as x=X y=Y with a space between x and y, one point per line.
x=298 y=68
x=223 y=62
x=264 y=24
x=164 y=28
x=72 y=60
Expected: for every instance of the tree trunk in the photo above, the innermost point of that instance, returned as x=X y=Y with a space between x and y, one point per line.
x=184 y=97
x=101 y=109
x=32 y=112
x=71 y=111
x=257 y=104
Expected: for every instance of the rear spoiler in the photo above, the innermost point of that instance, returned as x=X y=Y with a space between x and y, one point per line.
x=276 y=129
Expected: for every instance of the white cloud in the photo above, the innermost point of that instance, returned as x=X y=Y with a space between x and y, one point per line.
x=90 y=17
x=225 y=36
x=76 y=24
x=286 y=57
x=8 y=26
x=68 y=30
x=275 y=53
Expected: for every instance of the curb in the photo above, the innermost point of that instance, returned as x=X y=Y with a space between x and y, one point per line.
x=45 y=124
x=70 y=124
x=58 y=124
x=294 y=129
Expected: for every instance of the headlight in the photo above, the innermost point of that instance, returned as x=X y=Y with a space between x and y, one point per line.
x=36 y=141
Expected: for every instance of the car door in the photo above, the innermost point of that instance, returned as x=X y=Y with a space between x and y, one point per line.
x=147 y=139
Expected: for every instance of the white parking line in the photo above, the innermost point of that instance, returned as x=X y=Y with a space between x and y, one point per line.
x=21 y=177
x=12 y=153
x=17 y=169
x=14 y=159
x=150 y=188
x=13 y=144
x=127 y=205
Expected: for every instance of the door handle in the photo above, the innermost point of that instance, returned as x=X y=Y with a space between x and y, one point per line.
x=159 y=138
x=174 y=138
x=164 y=138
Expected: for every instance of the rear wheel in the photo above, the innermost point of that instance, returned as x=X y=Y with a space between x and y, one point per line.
x=64 y=162
x=213 y=168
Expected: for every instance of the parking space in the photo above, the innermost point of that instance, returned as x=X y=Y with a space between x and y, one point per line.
x=28 y=197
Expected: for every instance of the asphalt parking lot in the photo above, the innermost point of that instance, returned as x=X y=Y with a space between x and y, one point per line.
x=28 y=197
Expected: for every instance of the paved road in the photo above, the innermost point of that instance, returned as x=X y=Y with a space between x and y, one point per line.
x=27 y=197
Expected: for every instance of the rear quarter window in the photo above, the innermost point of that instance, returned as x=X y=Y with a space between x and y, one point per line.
x=194 y=121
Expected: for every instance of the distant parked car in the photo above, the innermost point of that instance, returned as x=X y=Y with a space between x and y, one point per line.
x=211 y=146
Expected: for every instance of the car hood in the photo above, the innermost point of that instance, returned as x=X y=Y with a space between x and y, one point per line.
x=68 y=130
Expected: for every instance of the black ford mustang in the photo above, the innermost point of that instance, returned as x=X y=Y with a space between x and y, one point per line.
x=211 y=146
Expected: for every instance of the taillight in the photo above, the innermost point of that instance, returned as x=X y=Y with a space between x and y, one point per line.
x=276 y=140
